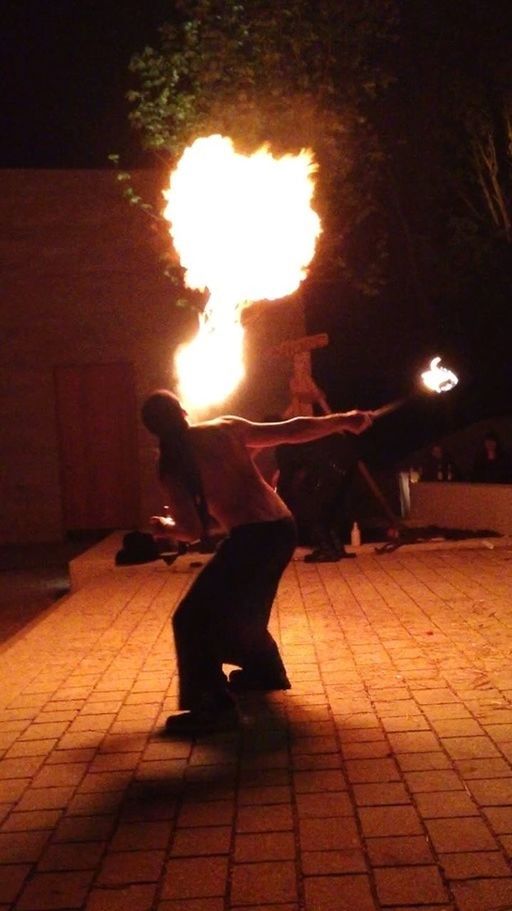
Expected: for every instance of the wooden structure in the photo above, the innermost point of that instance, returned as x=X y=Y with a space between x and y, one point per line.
x=304 y=392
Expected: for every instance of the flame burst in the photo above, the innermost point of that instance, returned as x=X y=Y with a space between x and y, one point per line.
x=244 y=229
x=438 y=378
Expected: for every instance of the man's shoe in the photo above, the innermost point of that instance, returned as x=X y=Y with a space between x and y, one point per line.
x=241 y=681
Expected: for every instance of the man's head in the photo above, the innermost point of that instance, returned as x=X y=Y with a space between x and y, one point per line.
x=162 y=413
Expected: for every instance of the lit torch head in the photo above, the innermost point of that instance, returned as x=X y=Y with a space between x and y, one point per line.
x=438 y=378
x=245 y=230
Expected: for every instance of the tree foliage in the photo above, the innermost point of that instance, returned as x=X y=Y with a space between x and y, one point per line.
x=484 y=184
x=448 y=134
x=291 y=73
x=475 y=120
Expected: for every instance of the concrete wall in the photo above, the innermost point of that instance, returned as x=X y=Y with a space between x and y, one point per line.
x=459 y=505
x=82 y=284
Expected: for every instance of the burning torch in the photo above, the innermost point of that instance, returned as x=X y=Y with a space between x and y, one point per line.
x=436 y=379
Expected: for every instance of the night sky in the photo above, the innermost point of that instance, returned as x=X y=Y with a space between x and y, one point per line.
x=65 y=74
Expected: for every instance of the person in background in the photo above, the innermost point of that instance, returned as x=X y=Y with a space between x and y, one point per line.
x=333 y=476
x=438 y=465
x=493 y=464
x=295 y=489
x=209 y=478
x=318 y=496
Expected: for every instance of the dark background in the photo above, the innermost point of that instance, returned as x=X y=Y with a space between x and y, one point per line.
x=65 y=74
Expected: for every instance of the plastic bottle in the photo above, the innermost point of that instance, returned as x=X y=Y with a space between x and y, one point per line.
x=355 y=535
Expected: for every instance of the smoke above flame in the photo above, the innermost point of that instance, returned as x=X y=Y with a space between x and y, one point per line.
x=244 y=229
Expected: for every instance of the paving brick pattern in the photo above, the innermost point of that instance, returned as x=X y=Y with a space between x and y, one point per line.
x=382 y=781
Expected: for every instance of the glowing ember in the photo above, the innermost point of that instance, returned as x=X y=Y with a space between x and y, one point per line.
x=244 y=230
x=438 y=378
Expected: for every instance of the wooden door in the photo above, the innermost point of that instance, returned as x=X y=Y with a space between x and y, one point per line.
x=97 y=423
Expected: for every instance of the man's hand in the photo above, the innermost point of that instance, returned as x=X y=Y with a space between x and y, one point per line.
x=357 y=421
x=166 y=527
x=164 y=523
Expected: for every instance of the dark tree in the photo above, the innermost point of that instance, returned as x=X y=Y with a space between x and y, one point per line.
x=294 y=74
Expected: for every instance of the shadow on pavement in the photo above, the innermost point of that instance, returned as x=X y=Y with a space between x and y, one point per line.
x=33 y=577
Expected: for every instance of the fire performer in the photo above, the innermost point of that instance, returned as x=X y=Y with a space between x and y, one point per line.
x=210 y=480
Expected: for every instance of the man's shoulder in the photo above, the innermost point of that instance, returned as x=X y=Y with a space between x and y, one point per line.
x=220 y=425
x=219 y=431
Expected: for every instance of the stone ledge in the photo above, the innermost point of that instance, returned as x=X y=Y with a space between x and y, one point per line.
x=101 y=557
x=96 y=560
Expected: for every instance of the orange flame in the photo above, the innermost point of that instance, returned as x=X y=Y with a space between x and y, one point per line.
x=245 y=230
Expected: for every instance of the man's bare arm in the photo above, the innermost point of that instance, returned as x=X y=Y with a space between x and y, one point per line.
x=301 y=430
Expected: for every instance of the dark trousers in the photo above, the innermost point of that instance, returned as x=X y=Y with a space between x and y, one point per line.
x=331 y=526
x=224 y=615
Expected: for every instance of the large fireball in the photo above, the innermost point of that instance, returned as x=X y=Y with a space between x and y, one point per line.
x=244 y=229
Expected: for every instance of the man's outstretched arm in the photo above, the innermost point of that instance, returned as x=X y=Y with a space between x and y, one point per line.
x=301 y=430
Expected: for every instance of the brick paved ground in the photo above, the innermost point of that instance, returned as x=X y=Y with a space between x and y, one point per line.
x=382 y=780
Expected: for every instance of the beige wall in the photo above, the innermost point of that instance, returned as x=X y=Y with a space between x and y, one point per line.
x=472 y=507
x=82 y=284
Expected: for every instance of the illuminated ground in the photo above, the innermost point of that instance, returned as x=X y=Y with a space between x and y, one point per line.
x=382 y=780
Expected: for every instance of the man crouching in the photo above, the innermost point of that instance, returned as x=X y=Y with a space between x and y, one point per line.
x=211 y=483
